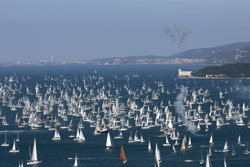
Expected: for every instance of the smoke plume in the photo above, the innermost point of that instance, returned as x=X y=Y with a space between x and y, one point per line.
x=177 y=34
x=180 y=108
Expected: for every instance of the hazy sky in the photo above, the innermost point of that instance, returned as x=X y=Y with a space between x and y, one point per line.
x=31 y=30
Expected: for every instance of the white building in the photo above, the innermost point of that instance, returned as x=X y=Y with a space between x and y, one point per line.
x=184 y=73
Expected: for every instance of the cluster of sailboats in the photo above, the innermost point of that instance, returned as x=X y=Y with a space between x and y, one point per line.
x=71 y=104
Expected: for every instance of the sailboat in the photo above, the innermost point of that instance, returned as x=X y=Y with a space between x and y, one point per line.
x=225 y=162
x=81 y=137
x=233 y=150
x=239 y=140
x=33 y=159
x=120 y=136
x=17 y=137
x=76 y=161
x=57 y=136
x=14 y=148
x=174 y=150
x=211 y=141
x=149 y=146
x=157 y=156
x=183 y=145
x=202 y=160
x=226 y=148
x=77 y=134
x=246 y=151
x=208 y=162
x=130 y=139
x=190 y=142
x=167 y=142
x=109 y=143
x=5 y=144
x=209 y=152
x=123 y=156
x=20 y=164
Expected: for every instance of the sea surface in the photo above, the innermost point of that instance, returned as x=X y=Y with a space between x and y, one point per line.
x=93 y=153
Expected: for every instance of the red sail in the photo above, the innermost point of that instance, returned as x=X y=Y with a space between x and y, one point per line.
x=122 y=155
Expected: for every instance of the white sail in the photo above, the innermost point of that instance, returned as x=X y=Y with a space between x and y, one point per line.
x=76 y=161
x=183 y=145
x=226 y=148
x=208 y=163
x=167 y=142
x=81 y=136
x=225 y=163
x=5 y=144
x=211 y=142
x=109 y=142
x=34 y=159
x=14 y=147
x=189 y=142
x=34 y=152
x=149 y=146
x=157 y=156
x=174 y=149
x=56 y=135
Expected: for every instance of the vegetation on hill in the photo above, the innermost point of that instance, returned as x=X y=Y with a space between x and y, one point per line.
x=237 y=70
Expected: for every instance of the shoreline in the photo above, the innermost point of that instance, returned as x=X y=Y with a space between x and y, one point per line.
x=195 y=77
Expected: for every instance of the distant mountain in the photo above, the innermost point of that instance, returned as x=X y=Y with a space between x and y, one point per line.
x=231 y=53
x=237 y=70
x=150 y=59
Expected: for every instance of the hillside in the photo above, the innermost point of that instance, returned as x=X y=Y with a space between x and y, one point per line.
x=231 y=53
x=238 y=70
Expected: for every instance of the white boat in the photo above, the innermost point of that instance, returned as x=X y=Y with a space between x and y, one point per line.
x=239 y=140
x=225 y=162
x=183 y=145
x=233 y=150
x=33 y=159
x=167 y=142
x=157 y=156
x=14 y=148
x=174 y=150
x=17 y=137
x=130 y=139
x=136 y=138
x=4 y=121
x=226 y=147
x=202 y=160
x=211 y=141
x=20 y=164
x=5 y=144
x=120 y=136
x=109 y=143
x=57 y=136
x=142 y=140
x=81 y=137
x=209 y=151
x=149 y=146
x=208 y=162
x=76 y=162
x=190 y=142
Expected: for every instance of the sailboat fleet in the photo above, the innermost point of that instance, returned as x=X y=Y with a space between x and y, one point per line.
x=122 y=113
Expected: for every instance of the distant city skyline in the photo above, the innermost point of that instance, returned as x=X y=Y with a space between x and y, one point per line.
x=63 y=30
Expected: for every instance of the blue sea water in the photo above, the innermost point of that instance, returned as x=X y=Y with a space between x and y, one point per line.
x=93 y=152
